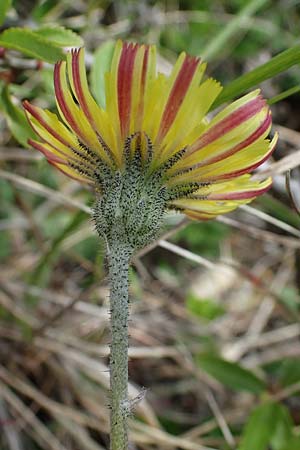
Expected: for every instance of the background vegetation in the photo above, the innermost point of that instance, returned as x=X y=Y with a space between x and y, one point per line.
x=215 y=306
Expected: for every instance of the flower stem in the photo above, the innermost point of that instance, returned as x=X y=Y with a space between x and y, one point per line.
x=118 y=258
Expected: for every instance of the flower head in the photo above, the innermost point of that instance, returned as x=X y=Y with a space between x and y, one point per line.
x=153 y=137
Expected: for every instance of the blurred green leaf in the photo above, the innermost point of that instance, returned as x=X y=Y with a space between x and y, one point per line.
x=4 y=8
x=60 y=36
x=6 y=197
x=101 y=65
x=204 y=238
x=283 y=428
x=231 y=374
x=268 y=422
x=283 y=95
x=289 y=372
x=279 y=209
x=42 y=8
x=5 y=245
x=88 y=248
x=204 y=308
x=218 y=43
x=292 y=444
x=289 y=296
x=31 y=44
x=39 y=276
x=16 y=119
x=276 y=65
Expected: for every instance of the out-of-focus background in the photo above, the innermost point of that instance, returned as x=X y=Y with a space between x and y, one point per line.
x=214 y=306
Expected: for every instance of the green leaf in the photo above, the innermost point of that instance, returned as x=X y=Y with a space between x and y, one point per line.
x=259 y=429
x=101 y=65
x=31 y=44
x=4 y=7
x=283 y=95
x=283 y=427
x=203 y=308
x=289 y=372
x=231 y=374
x=16 y=119
x=59 y=36
x=268 y=423
x=42 y=8
x=293 y=444
x=218 y=44
x=270 y=69
x=39 y=276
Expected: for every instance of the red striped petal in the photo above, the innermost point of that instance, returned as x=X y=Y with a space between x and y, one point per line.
x=34 y=112
x=49 y=155
x=230 y=122
x=78 y=85
x=178 y=93
x=237 y=173
x=264 y=126
x=62 y=101
x=239 y=195
x=140 y=110
x=124 y=85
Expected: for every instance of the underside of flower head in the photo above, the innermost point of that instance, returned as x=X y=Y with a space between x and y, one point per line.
x=154 y=127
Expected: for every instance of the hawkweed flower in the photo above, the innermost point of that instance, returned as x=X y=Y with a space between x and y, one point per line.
x=151 y=149
x=157 y=124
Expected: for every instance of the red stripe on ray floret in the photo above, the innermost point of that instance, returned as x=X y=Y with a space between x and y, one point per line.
x=263 y=127
x=49 y=155
x=33 y=111
x=239 y=195
x=124 y=85
x=143 y=84
x=177 y=94
x=233 y=120
x=77 y=83
x=144 y=68
x=61 y=100
x=237 y=173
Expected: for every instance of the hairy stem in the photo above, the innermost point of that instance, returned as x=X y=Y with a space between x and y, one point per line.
x=118 y=257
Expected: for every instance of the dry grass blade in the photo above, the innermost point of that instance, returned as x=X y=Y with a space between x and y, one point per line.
x=80 y=435
x=9 y=303
x=50 y=405
x=234 y=350
x=98 y=372
x=19 y=154
x=102 y=351
x=143 y=433
x=272 y=220
x=288 y=391
x=12 y=435
x=223 y=266
x=49 y=295
x=186 y=254
x=220 y=418
x=286 y=163
x=290 y=192
x=33 y=426
x=37 y=188
x=288 y=135
x=259 y=233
